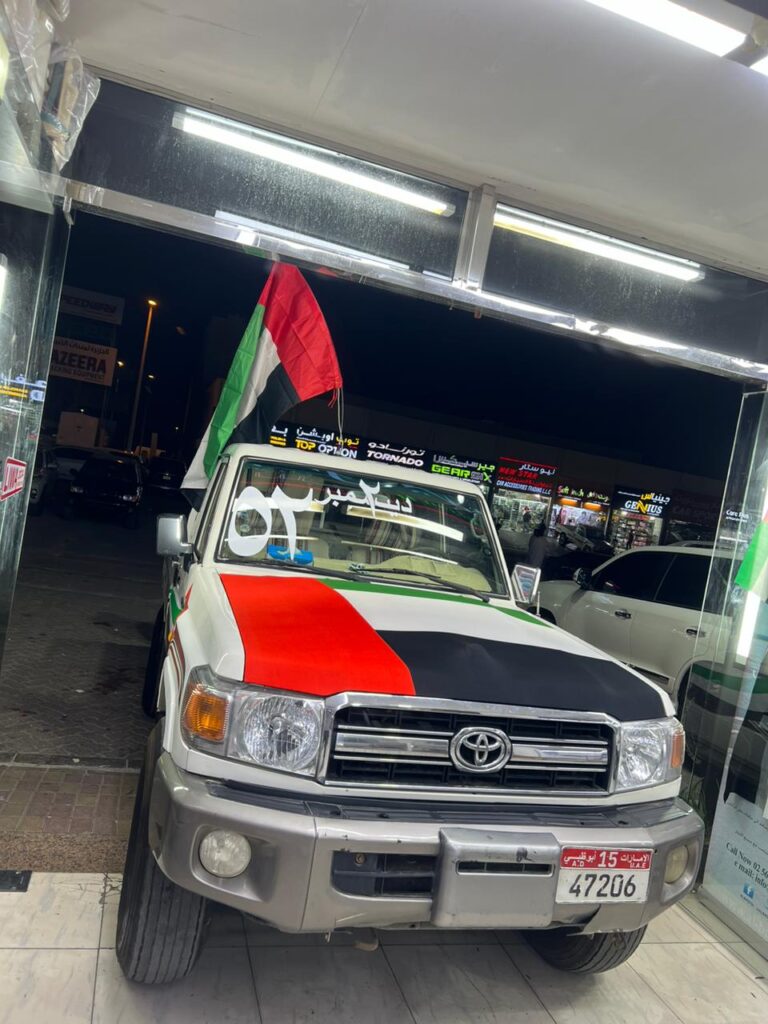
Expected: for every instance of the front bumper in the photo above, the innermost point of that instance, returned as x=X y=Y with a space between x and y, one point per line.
x=308 y=871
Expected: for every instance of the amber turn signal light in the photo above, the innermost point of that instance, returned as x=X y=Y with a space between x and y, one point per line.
x=678 y=750
x=205 y=714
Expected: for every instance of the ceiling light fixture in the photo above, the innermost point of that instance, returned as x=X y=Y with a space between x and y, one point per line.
x=265 y=145
x=761 y=66
x=678 y=22
x=572 y=237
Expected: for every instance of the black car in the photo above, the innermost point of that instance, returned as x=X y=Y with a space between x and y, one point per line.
x=164 y=479
x=108 y=481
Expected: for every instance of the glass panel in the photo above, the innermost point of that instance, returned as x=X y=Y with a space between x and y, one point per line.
x=165 y=151
x=625 y=292
x=726 y=707
x=31 y=268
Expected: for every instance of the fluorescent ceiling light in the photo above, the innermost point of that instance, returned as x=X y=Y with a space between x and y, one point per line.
x=264 y=144
x=678 y=22
x=249 y=231
x=761 y=66
x=595 y=244
x=639 y=340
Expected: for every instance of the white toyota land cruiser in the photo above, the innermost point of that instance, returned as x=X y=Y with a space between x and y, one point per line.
x=360 y=729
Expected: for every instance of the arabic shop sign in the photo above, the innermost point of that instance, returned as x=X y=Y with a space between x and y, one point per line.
x=83 y=360
x=476 y=472
x=528 y=477
x=646 y=503
x=378 y=451
x=579 y=494
x=281 y=436
x=326 y=442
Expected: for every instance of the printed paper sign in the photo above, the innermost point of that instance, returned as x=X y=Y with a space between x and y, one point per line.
x=14 y=474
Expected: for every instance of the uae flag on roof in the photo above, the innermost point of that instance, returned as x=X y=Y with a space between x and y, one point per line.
x=285 y=357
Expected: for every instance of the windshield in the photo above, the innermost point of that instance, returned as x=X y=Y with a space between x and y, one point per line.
x=355 y=522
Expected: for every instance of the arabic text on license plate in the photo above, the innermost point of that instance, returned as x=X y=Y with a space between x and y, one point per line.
x=589 y=875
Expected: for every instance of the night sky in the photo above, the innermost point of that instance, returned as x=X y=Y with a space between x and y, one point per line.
x=409 y=353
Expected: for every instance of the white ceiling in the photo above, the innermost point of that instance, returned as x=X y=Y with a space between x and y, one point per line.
x=558 y=103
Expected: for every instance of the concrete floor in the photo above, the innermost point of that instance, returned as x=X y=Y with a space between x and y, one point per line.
x=57 y=963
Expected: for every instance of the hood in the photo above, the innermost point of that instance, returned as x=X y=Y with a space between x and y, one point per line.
x=326 y=636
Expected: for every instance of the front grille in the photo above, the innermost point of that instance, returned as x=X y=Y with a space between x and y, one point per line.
x=383 y=746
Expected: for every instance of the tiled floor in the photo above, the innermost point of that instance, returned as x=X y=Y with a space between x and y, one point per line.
x=57 y=963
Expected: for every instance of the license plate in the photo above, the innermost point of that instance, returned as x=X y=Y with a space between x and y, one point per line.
x=589 y=875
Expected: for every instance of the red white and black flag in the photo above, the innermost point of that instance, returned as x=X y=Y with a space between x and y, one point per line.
x=286 y=356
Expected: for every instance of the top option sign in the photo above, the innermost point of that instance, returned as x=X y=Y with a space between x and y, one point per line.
x=528 y=477
x=92 y=305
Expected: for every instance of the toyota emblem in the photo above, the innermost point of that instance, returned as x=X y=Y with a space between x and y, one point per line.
x=480 y=750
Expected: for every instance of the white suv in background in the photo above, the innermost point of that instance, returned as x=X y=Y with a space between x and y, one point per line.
x=644 y=608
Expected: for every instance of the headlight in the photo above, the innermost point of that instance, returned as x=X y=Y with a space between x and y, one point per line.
x=650 y=753
x=249 y=723
x=74 y=489
x=130 y=497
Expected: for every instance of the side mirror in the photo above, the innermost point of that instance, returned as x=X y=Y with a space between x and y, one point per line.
x=172 y=536
x=583 y=578
x=525 y=583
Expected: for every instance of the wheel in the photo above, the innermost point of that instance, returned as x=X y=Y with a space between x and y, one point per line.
x=154 y=666
x=159 y=925
x=584 y=954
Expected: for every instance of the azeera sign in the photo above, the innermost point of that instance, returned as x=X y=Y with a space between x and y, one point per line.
x=326 y=442
x=14 y=474
x=647 y=503
x=528 y=477
x=463 y=469
x=378 y=451
x=83 y=360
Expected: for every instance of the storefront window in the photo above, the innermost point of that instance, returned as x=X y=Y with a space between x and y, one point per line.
x=726 y=706
x=255 y=181
x=637 y=518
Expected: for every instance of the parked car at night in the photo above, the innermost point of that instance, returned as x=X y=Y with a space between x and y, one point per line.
x=584 y=538
x=70 y=460
x=359 y=727
x=108 y=482
x=164 y=477
x=44 y=478
x=644 y=607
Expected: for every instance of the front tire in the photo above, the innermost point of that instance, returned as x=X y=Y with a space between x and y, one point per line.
x=160 y=926
x=584 y=954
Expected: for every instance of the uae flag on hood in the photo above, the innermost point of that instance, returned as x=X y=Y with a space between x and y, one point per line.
x=285 y=357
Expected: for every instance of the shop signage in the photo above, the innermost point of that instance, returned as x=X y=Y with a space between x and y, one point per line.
x=579 y=494
x=83 y=360
x=378 y=451
x=735 y=517
x=281 y=436
x=326 y=442
x=14 y=474
x=646 y=503
x=464 y=469
x=92 y=305
x=528 y=477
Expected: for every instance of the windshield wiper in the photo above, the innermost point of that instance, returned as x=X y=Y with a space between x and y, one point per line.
x=459 y=588
x=311 y=570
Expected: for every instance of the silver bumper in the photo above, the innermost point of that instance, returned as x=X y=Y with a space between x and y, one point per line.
x=308 y=871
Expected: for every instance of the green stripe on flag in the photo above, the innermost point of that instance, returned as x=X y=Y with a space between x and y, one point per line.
x=174 y=606
x=398 y=591
x=225 y=417
x=752 y=572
